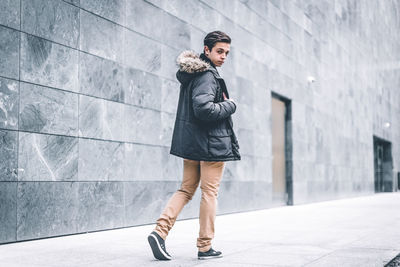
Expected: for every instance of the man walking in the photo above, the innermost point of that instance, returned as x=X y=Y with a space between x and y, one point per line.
x=203 y=136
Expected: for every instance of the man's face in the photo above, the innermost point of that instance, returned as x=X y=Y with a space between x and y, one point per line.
x=218 y=53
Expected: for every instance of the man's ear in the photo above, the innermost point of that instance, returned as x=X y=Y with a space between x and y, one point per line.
x=206 y=50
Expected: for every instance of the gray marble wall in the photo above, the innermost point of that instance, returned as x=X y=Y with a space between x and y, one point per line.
x=88 y=99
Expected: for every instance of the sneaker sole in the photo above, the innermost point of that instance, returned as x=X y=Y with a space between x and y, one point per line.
x=209 y=257
x=158 y=253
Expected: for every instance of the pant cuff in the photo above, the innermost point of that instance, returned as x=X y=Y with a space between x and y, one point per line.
x=162 y=235
x=205 y=249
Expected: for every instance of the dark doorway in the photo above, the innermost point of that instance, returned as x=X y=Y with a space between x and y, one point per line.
x=282 y=192
x=383 y=165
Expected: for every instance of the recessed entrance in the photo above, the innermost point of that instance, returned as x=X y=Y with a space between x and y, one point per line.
x=281 y=150
x=383 y=165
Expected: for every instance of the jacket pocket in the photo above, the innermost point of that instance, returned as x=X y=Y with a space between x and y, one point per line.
x=220 y=143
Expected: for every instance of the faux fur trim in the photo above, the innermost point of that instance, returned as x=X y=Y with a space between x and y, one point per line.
x=190 y=62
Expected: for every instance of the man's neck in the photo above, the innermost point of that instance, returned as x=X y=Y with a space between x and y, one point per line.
x=206 y=59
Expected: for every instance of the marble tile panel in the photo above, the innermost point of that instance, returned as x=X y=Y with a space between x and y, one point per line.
x=8 y=155
x=263 y=123
x=47 y=157
x=263 y=168
x=245 y=169
x=8 y=211
x=242 y=115
x=167 y=127
x=232 y=194
x=141 y=52
x=169 y=95
x=101 y=77
x=9 y=92
x=203 y=16
x=101 y=119
x=185 y=10
x=101 y=37
x=143 y=125
x=137 y=11
x=196 y=39
x=113 y=123
x=246 y=140
x=262 y=144
x=101 y=206
x=47 y=110
x=142 y=89
x=145 y=200
x=229 y=196
x=113 y=10
x=46 y=209
x=101 y=160
x=90 y=117
x=143 y=162
x=9 y=13
x=170 y=30
x=172 y=166
x=53 y=20
x=230 y=171
x=49 y=64
x=168 y=62
x=227 y=8
x=175 y=32
x=9 y=52
x=246 y=89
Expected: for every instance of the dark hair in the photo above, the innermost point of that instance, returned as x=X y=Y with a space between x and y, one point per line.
x=216 y=36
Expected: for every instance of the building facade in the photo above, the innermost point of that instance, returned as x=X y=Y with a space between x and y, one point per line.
x=88 y=100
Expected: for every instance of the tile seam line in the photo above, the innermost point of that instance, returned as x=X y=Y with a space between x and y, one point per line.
x=90 y=138
x=86 y=138
x=98 y=181
x=10 y=130
x=18 y=128
x=143 y=181
x=92 y=96
x=317 y=259
x=76 y=226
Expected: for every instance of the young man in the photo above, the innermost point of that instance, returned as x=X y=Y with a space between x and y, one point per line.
x=203 y=136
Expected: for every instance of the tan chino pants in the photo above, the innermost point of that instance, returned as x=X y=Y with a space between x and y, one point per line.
x=208 y=174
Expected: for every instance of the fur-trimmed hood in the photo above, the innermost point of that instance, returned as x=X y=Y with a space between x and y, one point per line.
x=191 y=64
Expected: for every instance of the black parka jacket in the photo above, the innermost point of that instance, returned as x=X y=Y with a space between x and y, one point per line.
x=203 y=127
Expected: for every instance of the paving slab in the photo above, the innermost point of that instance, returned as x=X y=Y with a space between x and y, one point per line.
x=361 y=231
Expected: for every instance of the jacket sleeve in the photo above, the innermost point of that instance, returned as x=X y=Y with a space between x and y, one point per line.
x=203 y=95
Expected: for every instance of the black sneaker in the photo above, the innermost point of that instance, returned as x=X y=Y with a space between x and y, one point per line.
x=157 y=245
x=209 y=254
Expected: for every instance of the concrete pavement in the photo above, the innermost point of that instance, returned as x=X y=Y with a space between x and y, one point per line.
x=362 y=231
